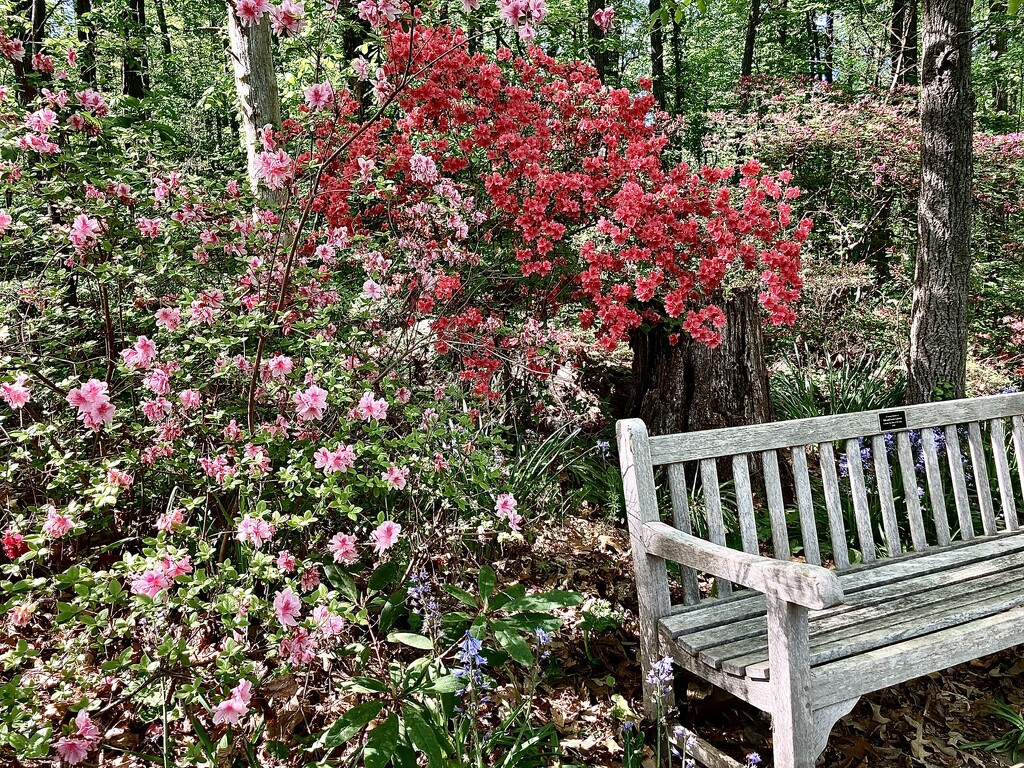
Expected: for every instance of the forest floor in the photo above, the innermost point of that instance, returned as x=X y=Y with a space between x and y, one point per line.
x=924 y=723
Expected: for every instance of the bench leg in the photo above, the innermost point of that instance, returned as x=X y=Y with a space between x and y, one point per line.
x=793 y=738
x=825 y=720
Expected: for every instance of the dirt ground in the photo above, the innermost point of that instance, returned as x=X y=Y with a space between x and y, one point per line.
x=921 y=724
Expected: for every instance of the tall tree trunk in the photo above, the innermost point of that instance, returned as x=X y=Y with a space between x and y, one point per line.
x=86 y=41
x=688 y=387
x=938 y=333
x=830 y=46
x=903 y=42
x=750 y=38
x=997 y=10
x=134 y=75
x=658 y=54
x=256 y=83
x=599 y=55
x=678 y=79
x=813 y=46
x=161 y=20
x=30 y=16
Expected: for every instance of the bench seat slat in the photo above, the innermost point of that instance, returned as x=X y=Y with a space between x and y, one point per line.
x=931 y=586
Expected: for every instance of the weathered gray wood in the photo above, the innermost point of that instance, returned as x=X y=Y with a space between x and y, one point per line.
x=792 y=722
x=981 y=486
x=651 y=574
x=954 y=454
x=776 y=505
x=805 y=504
x=679 y=492
x=834 y=506
x=825 y=720
x=998 y=433
x=858 y=491
x=935 y=492
x=745 y=504
x=808 y=585
x=715 y=519
x=667 y=449
x=692 y=746
x=894 y=664
x=1018 y=448
x=910 y=491
x=883 y=483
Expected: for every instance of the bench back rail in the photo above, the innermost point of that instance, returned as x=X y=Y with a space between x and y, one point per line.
x=888 y=481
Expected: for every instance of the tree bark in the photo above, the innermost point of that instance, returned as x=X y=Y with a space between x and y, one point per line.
x=903 y=42
x=32 y=15
x=255 y=82
x=658 y=54
x=134 y=74
x=161 y=20
x=938 y=333
x=688 y=387
x=997 y=10
x=750 y=38
x=830 y=45
x=86 y=41
x=679 y=81
x=599 y=55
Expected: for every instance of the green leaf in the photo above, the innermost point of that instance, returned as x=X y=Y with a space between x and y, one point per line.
x=383 y=576
x=513 y=643
x=423 y=735
x=446 y=684
x=1012 y=7
x=342 y=581
x=460 y=594
x=545 y=601
x=380 y=744
x=349 y=724
x=486 y=582
x=412 y=640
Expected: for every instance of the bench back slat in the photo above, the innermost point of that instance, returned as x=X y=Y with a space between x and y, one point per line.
x=1018 y=447
x=833 y=505
x=862 y=513
x=936 y=493
x=1009 y=508
x=911 y=491
x=980 y=466
x=890 y=525
x=745 y=504
x=776 y=504
x=715 y=518
x=681 y=520
x=805 y=503
x=954 y=453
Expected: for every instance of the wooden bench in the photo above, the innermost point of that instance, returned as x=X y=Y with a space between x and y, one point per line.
x=916 y=582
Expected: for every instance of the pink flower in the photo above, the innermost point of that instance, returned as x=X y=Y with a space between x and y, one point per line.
x=249 y=12
x=170 y=520
x=371 y=408
x=344 y=548
x=120 y=479
x=168 y=318
x=42 y=120
x=328 y=623
x=93 y=403
x=175 y=568
x=87 y=729
x=16 y=394
x=254 y=530
x=288 y=18
x=505 y=506
x=189 y=399
x=157 y=381
x=310 y=579
x=235 y=706
x=319 y=95
x=14 y=544
x=274 y=168
x=72 y=751
x=141 y=355
x=5 y=221
x=373 y=290
x=310 y=404
x=85 y=233
x=362 y=69
x=603 y=18
x=280 y=366
x=157 y=409
x=56 y=525
x=299 y=647
x=286 y=561
x=287 y=606
x=149 y=227
x=341 y=459
x=403 y=395
x=424 y=169
x=385 y=536
x=396 y=477
x=150 y=583
x=72 y=57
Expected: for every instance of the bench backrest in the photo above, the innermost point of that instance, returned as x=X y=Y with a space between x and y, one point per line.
x=877 y=483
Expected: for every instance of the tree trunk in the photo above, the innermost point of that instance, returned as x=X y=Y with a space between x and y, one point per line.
x=658 y=54
x=688 y=387
x=750 y=38
x=679 y=81
x=830 y=45
x=255 y=83
x=32 y=15
x=161 y=20
x=134 y=75
x=86 y=41
x=813 y=46
x=599 y=55
x=997 y=10
x=903 y=42
x=938 y=333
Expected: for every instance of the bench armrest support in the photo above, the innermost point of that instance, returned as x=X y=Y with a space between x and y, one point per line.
x=810 y=586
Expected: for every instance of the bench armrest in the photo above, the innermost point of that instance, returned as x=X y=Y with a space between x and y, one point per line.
x=808 y=585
